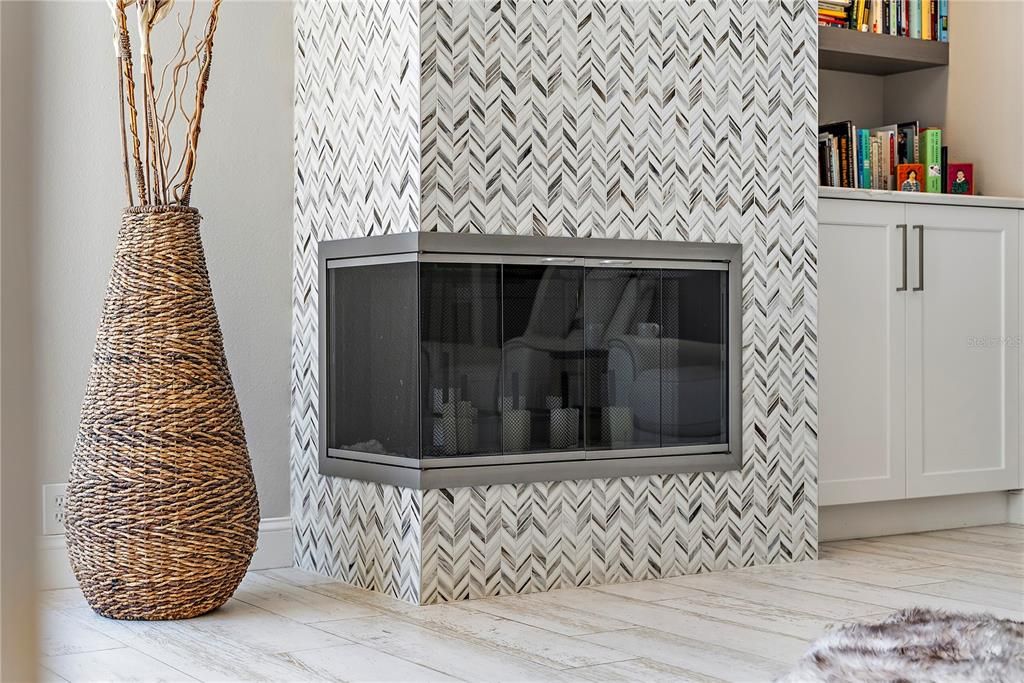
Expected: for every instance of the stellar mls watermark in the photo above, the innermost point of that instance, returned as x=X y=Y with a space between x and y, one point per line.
x=988 y=342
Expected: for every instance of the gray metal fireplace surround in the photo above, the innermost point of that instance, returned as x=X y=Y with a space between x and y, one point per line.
x=460 y=360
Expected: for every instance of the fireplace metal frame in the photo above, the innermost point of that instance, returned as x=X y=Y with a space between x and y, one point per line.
x=475 y=470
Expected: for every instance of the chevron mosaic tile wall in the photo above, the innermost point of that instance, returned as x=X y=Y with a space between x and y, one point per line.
x=689 y=120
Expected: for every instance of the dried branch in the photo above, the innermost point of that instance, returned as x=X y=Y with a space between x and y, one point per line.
x=153 y=152
x=126 y=87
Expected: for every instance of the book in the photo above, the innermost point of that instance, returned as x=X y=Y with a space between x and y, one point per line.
x=931 y=152
x=945 y=166
x=887 y=157
x=823 y=160
x=944 y=20
x=961 y=179
x=934 y=20
x=915 y=18
x=926 y=20
x=909 y=177
x=906 y=147
x=864 y=156
x=846 y=162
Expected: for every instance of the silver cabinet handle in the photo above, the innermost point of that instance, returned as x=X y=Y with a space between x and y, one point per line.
x=903 y=228
x=558 y=259
x=920 y=258
x=614 y=262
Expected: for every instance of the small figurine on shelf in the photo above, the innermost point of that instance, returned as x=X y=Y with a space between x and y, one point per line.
x=961 y=179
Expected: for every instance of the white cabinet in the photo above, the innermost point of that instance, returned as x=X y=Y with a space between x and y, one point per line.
x=918 y=315
x=862 y=344
x=963 y=364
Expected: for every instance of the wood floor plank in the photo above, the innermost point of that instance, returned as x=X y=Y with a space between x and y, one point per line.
x=445 y=652
x=854 y=555
x=1006 y=553
x=878 y=547
x=378 y=602
x=990 y=598
x=773 y=619
x=634 y=670
x=295 y=576
x=123 y=664
x=668 y=620
x=647 y=591
x=265 y=631
x=747 y=588
x=698 y=656
x=200 y=654
x=528 y=642
x=876 y=596
x=358 y=663
x=849 y=571
x=300 y=604
x=1013 y=584
x=1011 y=531
x=60 y=634
x=550 y=617
x=45 y=675
x=971 y=536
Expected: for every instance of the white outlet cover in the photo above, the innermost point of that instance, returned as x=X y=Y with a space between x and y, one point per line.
x=53 y=508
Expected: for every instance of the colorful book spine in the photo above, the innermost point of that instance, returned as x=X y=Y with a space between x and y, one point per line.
x=864 y=156
x=893 y=14
x=931 y=144
x=944 y=20
x=915 y=18
x=926 y=20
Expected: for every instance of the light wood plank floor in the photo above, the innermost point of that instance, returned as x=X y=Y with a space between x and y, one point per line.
x=738 y=625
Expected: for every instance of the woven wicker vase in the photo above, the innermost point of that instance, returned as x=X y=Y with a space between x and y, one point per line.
x=161 y=509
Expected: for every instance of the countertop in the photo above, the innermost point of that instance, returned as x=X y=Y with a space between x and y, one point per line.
x=921 y=198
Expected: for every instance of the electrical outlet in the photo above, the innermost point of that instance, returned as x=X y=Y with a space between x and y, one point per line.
x=54 y=496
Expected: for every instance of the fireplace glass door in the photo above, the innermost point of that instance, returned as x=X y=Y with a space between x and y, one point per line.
x=436 y=362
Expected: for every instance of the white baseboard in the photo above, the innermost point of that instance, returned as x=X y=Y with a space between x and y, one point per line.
x=862 y=520
x=1016 y=507
x=273 y=550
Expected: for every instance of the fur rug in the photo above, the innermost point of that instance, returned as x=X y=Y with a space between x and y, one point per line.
x=917 y=646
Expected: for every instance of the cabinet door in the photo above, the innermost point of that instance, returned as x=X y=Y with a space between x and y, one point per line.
x=963 y=360
x=862 y=332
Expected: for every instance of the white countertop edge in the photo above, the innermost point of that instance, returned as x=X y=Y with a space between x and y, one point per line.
x=920 y=198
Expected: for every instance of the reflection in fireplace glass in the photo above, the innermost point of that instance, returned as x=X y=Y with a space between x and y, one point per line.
x=542 y=399
x=460 y=358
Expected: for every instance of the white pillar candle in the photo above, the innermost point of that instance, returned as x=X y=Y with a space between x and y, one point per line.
x=565 y=427
x=617 y=425
x=515 y=429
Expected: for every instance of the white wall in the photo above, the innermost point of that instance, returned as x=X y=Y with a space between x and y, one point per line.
x=63 y=191
x=985 y=103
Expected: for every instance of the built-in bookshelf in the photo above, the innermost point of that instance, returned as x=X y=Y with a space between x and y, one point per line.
x=882 y=89
x=967 y=83
x=877 y=54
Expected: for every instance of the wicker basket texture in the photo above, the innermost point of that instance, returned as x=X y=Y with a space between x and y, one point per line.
x=161 y=510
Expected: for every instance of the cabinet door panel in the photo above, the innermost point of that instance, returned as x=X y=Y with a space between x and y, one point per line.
x=963 y=360
x=861 y=352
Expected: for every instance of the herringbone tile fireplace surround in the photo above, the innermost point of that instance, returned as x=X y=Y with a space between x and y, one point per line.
x=691 y=120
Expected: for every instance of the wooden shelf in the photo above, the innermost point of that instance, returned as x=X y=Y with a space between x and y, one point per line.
x=877 y=54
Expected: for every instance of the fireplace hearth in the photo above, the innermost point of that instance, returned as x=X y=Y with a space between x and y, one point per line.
x=458 y=360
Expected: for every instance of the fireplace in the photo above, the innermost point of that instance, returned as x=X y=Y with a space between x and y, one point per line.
x=455 y=360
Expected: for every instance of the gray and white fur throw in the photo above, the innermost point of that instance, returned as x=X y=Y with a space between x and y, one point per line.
x=917 y=646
